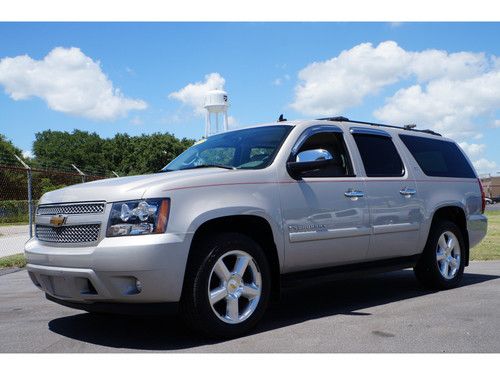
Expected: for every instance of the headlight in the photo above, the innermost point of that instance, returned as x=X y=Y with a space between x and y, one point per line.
x=138 y=217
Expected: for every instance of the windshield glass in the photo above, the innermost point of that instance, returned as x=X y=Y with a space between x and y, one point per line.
x=253 y=148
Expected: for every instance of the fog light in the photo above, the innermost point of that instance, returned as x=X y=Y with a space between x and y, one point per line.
x=138 y=286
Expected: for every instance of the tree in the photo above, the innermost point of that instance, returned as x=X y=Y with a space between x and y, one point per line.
x=123 y=154
x=56 y=149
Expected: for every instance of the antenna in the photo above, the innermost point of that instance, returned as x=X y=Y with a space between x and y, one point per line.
x=216 y=103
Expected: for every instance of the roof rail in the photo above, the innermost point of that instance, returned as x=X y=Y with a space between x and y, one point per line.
x=411 y=127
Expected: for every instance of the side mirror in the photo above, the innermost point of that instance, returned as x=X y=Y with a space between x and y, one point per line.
x=309 y=160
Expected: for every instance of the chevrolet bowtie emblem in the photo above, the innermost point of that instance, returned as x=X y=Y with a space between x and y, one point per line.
x=58 y=220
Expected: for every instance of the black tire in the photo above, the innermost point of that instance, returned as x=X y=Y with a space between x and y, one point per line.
x=427 y=269
x=195 y=307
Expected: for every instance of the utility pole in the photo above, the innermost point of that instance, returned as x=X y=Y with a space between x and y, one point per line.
x=30 y=200
x=79 y=172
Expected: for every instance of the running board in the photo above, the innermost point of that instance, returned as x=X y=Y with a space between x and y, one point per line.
x=348 y=271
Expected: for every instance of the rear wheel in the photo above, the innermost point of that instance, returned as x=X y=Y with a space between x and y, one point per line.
x=227 y=286
x=441 y=265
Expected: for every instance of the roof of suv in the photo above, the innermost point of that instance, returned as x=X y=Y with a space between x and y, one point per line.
x=346 y=124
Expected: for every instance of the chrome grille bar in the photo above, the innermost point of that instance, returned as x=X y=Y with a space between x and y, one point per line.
x=71 y=209
x=86 y=233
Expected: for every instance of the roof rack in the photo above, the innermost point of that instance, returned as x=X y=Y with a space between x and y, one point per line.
x=411 y=127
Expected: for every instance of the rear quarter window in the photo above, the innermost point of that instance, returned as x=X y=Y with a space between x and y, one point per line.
x=438 y=158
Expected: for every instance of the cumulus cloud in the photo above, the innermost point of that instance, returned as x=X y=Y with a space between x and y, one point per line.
x=473 y=149
x=329 y=87
x=193 y=94
x=451 y=93
x=69 y=82
x=485 y=166
x=447 y=105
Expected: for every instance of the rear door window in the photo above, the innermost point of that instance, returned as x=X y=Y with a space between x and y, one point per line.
x=438 y=158
x=379 y=155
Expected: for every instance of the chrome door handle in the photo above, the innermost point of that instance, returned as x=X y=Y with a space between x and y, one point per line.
x=407 y=192
x=354 y=194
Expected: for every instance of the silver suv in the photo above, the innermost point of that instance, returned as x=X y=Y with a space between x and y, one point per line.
x=236 y=217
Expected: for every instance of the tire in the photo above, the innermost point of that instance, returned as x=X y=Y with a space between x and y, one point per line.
x=242 y=296
x=445 y=273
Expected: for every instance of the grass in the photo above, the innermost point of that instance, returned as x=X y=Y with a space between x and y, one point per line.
x=12 y=261
x=489 y=248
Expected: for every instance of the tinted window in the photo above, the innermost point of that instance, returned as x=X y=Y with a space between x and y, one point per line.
x=438 y=158
x=379 y=156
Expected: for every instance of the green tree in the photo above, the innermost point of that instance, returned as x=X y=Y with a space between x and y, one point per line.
x=56 y=149
x=11 y=179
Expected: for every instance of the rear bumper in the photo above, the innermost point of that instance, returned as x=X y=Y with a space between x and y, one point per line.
x=134 y=270
x=477 y=226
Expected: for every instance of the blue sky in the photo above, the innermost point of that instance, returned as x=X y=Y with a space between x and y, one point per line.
x=266 y=69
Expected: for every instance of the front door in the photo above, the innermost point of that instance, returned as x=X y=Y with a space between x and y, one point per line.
x=325 y=212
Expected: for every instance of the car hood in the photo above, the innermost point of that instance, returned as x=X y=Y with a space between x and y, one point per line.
x=133 y=187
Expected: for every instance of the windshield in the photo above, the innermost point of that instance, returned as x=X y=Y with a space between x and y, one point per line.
x=253 y=148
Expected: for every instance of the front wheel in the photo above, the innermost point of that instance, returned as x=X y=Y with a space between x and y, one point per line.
x=227 y=286
x=442 y=263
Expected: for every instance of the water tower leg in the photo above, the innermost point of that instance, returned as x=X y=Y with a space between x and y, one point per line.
x=217 y=122
x=226 y=122
x=207 y=124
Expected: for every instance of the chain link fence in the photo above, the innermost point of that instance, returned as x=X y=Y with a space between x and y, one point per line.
x=21 y=186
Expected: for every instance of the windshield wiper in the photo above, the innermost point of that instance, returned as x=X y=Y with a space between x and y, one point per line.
x=214 y=165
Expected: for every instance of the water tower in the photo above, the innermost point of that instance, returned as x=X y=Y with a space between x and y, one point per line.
x=216 y=104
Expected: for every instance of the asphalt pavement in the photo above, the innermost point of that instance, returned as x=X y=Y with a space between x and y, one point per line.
x=384 y=313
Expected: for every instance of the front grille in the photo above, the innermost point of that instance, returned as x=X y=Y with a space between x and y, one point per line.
x=71 y=209
x=70 y=234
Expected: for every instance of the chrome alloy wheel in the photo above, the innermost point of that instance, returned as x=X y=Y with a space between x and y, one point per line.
x=234 y=295
x=448 y=255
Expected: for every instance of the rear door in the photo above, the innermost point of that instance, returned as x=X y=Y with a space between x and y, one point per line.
x=391 y=191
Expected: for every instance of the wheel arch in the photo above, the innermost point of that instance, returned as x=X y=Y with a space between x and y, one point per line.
x=255 y=227
x=457 y=215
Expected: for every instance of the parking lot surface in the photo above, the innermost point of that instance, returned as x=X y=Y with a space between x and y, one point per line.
x=384 y=313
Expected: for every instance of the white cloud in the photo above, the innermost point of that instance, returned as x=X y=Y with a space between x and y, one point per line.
x=69 y=82
x=485 y=166
x=329 y=87
x=193 y=94
x=447 y=92
x=27 y=154
x=446 y=105
x=473 y=149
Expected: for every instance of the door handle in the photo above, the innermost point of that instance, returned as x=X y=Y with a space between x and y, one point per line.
x=354 y=194
x=407 y=192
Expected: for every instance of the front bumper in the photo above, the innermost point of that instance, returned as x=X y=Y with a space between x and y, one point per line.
x=142 y=269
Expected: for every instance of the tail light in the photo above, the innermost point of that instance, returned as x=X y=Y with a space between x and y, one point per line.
x=483 y=196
